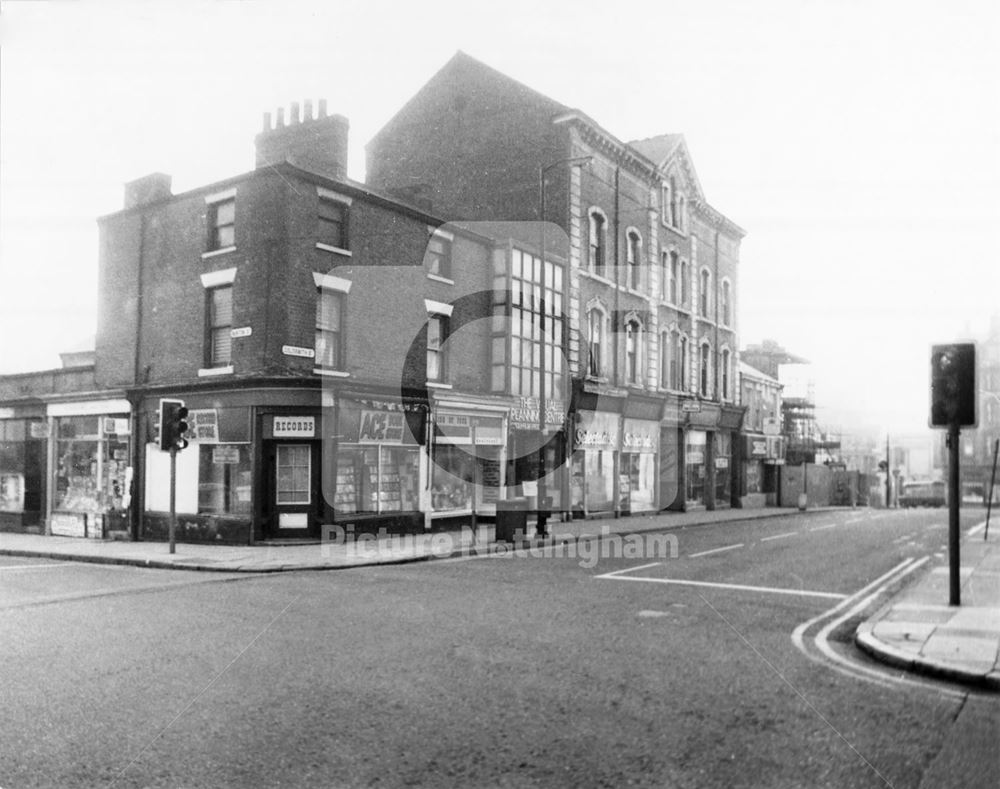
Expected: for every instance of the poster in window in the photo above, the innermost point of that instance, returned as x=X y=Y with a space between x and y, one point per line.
x=11 y=492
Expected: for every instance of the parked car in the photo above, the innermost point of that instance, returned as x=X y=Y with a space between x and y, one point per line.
x=923 y=494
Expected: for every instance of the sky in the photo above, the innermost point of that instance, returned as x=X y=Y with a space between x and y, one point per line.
x=857 y=143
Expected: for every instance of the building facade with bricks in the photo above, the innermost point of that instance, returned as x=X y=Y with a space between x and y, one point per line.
x=651 y=417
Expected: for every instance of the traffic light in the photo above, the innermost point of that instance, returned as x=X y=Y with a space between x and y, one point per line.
x=953 y=385
x=173 y=424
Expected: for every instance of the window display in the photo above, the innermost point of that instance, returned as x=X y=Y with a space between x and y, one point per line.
x=91 y=464
x=695 y=451
x=376 y=479
x=224 y=479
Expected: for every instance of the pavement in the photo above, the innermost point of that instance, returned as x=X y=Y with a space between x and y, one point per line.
x=917 y=631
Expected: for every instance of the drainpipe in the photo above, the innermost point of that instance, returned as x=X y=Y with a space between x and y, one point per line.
x=616 y=466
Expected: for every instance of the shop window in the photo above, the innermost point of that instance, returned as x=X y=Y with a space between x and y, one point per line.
x=329 y=329
x=437 y=335
x=219 y=319
x=598 y=242
x=90 y=466
x=224 y=479
x=331 y=223
x=222 y=224
x=294 y=474
x=376 y=479
x=633 y=260
x=439 y=255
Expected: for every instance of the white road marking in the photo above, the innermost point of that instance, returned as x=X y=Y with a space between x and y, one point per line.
x=737 y=587
x=850 y=668
x=715 y=550
x=616 y=573
x=821 y=528
x=976 y=529
x=779 y=536
x=853 y=520
x=36 y=566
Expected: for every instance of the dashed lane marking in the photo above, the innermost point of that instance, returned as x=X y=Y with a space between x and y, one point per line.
x=716 y=550
x=821 y=528
x=779 y=536
x=35 y=566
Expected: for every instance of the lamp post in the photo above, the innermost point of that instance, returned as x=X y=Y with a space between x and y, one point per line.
x=572 y=161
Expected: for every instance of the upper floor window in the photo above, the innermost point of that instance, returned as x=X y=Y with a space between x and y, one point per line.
x=331 y=223
x=329 y=329
x=437 y=334
x=531 y=330
x=595 y=343
x=724 y=373
x=222 y=224
x=679 y=372
x=598 y=243
x=667 y=201
x=681 y=213
x=685 y=287
x=666 y=363
x=727 y=303
x=674 y=276
x=704 y=293
x=219 y=324
x=633 y=352
x=633 y=259
x=704 y=369
x=439 y=255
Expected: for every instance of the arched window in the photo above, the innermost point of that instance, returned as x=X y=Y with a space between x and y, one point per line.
x=681 y=212
x=680 y=380
x=666 y=200
x=704 y=369
x=598 y=242
x=633 y=259
x=595 y=343
x=633 y=352
x=666 y=363
x=685 y=287
x=727 y=303
x=724 y=371
x=673 y=202
x=704 y=292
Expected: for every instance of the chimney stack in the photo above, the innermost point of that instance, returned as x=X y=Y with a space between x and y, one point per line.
x=316 y=144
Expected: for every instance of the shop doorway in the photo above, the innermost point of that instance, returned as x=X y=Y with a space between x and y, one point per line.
x=293 y=500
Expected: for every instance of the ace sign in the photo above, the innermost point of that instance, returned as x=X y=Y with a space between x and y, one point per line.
x=381 y=427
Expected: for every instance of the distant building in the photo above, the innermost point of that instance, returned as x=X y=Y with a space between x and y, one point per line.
x=764 y=450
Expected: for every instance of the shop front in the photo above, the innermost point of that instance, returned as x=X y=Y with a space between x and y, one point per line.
x=468 y=453
x=640 y=443
x=214 y=475
x=695 y=468
x=754 y=455
x=23 y=448
x=596 y=442
x=91 y=468
x=379 y=465
x=525 y=441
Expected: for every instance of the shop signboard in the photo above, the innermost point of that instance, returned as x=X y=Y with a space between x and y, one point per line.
x=722 y=463
x=294 y=427
x=597 y=430
x=524 y=415
x=204 y=425
x=116 y=426
x=640 y=435
x=381 y=427
x=39 y=429
x=756 y=447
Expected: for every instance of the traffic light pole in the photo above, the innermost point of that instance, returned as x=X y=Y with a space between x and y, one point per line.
x=173 y=497
x=954 y=565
